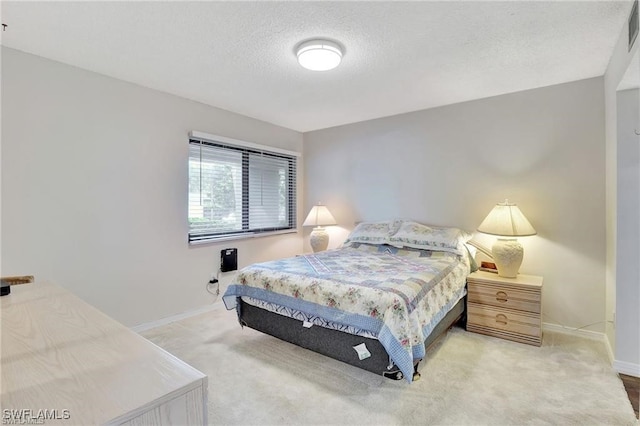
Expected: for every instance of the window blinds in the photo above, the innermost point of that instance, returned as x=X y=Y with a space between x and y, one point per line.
x=235 y=190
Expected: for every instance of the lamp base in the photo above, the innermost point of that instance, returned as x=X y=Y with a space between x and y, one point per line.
x=508 y=254
x=319 y=239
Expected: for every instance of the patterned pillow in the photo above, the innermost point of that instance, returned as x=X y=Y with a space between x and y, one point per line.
x=373 y=232
x=416 y=235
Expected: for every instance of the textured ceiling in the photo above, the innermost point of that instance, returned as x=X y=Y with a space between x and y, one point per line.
x=400 y=56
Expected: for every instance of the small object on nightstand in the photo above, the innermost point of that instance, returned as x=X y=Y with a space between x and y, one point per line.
x=488 y=267
x=509 y=308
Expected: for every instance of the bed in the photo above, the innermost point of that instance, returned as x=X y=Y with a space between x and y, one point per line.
x=376 y=303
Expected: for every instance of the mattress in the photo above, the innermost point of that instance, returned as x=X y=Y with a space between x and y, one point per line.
x=396 y=295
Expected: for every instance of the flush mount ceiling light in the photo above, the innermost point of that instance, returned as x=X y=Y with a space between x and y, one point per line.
x=319 y=55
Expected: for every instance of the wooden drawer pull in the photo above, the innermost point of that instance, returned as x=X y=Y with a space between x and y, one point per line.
x=501 y=319
x=501 y=296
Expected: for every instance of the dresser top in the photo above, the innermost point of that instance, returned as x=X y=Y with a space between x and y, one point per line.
x=521 y=280
x=60 y=353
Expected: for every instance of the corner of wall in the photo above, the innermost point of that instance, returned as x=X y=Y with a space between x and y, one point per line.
x=618 y=63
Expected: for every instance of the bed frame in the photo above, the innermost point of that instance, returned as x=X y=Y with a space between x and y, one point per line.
x=338 y=344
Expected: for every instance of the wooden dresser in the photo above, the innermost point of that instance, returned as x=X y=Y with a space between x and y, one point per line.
x=66 y=362
x=509 y=308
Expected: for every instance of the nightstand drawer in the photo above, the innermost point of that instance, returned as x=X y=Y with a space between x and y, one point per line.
x=504 y=297
x=513 y=325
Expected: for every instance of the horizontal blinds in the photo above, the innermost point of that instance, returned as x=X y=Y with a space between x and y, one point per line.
x=215 y=190
x=235 y=190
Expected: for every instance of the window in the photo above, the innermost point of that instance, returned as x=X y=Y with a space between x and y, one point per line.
x=237 y=188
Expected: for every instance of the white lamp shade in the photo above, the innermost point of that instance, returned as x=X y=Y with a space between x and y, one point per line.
x=319 y=216
x=319 y=55
x=506 y=220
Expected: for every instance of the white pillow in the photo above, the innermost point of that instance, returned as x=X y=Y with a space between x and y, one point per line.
x=415 y=235
x=373 y=232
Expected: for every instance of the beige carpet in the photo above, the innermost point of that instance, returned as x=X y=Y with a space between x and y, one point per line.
x=255 y=379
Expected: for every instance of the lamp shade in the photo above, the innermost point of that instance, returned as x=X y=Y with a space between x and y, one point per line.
x=319 y=216
x=506 y=220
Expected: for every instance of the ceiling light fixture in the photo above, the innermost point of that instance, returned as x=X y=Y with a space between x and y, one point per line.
x=319 y=55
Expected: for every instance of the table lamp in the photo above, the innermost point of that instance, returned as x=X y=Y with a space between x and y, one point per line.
x=507 y=222
x=319 y=216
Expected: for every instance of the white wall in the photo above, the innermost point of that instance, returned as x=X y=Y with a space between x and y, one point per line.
x=623 y=296
x=543 y=149
x=94 y=188
x=628 y=227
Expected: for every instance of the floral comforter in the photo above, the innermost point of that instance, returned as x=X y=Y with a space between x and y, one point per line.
x=399 y=295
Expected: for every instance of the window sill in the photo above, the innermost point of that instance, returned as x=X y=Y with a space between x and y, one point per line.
x=241 y=237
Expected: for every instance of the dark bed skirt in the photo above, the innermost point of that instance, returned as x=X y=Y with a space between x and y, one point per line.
x=337 y=344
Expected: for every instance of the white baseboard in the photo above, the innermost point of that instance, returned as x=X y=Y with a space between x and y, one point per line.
x=593 y=335
x=628 y=368
x=177 y=317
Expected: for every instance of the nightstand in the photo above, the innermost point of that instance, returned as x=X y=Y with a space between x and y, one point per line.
x=509 y=308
